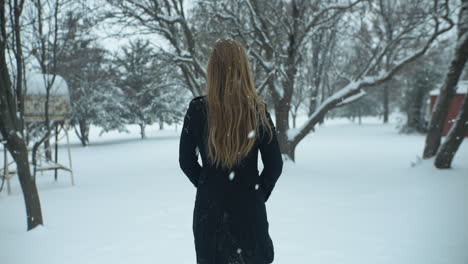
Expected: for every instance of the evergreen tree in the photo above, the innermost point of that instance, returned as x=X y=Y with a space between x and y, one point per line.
x=146 y=84
x=84 y=65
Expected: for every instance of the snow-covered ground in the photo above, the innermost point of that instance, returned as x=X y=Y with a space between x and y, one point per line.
x=352 y=197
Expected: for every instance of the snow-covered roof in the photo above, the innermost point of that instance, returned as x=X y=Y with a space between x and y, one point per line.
x=462 y=88
x=37 y=83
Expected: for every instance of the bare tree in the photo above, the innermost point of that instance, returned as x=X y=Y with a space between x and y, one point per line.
x=322 y=45
x=448 y=88
x=283 y=53
x=168 y=19
x=12 y=109
x=278 y=34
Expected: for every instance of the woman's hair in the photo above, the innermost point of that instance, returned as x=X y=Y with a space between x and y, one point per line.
x=234 y=109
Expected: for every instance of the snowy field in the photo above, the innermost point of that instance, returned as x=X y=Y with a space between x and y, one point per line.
x=352 y=197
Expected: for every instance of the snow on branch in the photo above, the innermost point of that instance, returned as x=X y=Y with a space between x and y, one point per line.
x=352 y=98
x=257 y=24
x=354 y=88
x=316 y=19
x=267 y=65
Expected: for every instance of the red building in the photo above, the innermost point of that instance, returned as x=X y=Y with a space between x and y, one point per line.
x=455 y=105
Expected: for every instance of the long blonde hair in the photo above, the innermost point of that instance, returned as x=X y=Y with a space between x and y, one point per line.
x=233 y=107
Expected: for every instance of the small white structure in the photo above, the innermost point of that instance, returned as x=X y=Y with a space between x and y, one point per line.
x=34 y=111
x=35 y=97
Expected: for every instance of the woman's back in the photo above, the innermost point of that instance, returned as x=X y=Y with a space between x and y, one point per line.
x=230 y=221
x=245 y=174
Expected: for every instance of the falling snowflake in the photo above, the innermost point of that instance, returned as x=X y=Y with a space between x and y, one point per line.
x=251 y=134
x=231 y=176
x=257 y=186
x=239 y=251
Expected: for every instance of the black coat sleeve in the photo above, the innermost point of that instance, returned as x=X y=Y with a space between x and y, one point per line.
x=188 y=155
x=271 y=158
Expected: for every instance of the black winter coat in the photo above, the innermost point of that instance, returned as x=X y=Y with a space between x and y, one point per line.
x=229 y=219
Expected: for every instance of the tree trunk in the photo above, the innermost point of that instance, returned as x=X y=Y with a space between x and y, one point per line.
x=11 y=124
x=161 y=124
x=447 y=91
x=454 y=139
x=312 y=103
x=47 y=151
x=83 y=135
x=282 y=126
x=289 y=150
x=294 y=120
x=359 y=115
x=415 y=116
x=142 y=131
x=439 y=116
x=18 y=151
x=386 y=99
x=283 y=102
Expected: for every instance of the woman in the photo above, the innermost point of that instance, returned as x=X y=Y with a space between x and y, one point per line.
x=227 y=127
